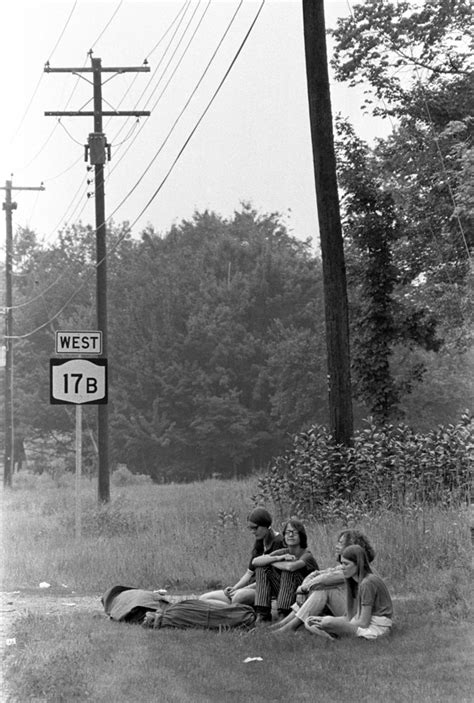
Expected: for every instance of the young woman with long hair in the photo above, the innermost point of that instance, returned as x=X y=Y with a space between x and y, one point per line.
x=369 y=605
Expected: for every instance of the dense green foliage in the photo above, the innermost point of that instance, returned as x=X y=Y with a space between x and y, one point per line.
x=215 y=341
x=408 y=200
x=206 y=353
x=392 y=467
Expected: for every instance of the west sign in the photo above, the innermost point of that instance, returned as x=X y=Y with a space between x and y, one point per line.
x=78 y=342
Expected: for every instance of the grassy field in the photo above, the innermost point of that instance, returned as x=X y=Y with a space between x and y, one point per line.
x=189 y=538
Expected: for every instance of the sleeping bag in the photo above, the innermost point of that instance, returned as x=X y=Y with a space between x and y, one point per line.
x=127 y=604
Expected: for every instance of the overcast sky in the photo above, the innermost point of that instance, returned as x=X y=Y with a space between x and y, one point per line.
x=253 y=144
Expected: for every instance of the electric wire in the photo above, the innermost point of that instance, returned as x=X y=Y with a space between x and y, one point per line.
x=160 y=61
x=63 y=273
x=129 y=134
x=122 y=156
x=84 y=204
x=155 y=47
x=106 y=26
x=31 y=300
x=68 y=168
x=181 y=151
x=71 y=95
x=190 y=97
x=63 y=217
x=148 y=100
x=41 y=149
x=203 y=114
x=69 y=133
x=146 y=61
x=20 y=124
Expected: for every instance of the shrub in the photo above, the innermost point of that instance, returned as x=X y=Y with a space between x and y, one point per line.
x=123 y=477
x=390 y=467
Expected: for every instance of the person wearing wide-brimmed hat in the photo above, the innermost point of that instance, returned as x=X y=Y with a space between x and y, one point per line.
x=267 y=540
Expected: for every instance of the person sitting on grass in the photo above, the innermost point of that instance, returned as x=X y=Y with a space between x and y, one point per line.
x=279 y=573
x=324 y=592
x=266 y=540
x=369 y=605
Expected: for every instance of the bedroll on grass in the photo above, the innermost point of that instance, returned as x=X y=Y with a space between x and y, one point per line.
x=126 y=604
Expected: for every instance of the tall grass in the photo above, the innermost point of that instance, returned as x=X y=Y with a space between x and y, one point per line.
x=192 y=537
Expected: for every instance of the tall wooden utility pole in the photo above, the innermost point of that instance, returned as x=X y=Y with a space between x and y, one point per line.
x=334 y=272
x=9 y=206
x=96 y=149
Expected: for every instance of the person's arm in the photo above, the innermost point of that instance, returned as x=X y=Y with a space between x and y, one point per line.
x=326 y=579
x=273 y=558
x=307 y=583
x=306 y=561
x=364 y=617
x=241 y=583
x=289 y=563
x=318 y=580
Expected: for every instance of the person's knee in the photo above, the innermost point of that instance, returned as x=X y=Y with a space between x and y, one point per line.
x=244 y=596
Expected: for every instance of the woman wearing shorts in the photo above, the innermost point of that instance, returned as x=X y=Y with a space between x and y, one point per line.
x=369 y=605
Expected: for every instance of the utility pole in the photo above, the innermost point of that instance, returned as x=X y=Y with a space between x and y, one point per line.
x=332 y=250
x=96 y=149
x=9 y=206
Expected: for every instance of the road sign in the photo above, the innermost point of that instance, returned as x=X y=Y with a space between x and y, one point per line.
x=68 y=342
x=78 y=381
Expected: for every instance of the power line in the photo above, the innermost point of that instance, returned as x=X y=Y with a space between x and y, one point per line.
x=203 y=114
x=145 y=62
x=117 y=162
x=126 y=139
x=161 y=60
x=190 y=97
x=20 y=124
x=186 y=4
x=76 y=84
x=68 y=168
x=69 y=133
x=63 y=31
x=107 y=25
x=181 y=151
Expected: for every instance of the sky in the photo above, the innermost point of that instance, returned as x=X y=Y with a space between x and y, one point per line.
x=251 y=145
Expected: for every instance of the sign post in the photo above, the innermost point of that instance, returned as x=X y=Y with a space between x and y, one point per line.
x=78 y=469
x=78 y=382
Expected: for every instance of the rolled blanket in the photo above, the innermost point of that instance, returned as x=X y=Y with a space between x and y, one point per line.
x=134 y=605
x=128 y=604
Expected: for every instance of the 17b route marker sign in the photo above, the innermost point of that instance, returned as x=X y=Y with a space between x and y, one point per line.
x=78 y=381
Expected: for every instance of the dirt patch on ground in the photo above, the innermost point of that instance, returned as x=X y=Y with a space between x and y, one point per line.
x=16 y=604
x=45 y=601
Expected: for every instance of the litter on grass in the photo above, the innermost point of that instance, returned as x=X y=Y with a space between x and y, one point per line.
x=45 y=584
x=253 y=659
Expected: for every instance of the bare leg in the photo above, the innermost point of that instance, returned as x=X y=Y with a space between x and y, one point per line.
x=290 y=624
x=281 y=623
x=244 y=596
x=215 y=596
x=338 y=626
